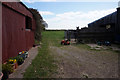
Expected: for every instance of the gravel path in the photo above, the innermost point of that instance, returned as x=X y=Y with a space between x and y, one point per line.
x=77 y=62
x=21 y=69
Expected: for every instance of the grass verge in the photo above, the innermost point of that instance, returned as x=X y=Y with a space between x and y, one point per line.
x=43 y=65
x=83 y=46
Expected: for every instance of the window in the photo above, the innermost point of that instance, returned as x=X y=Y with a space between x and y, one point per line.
x=28 y=23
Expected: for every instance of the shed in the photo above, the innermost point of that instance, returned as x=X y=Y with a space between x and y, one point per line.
x=18 y=26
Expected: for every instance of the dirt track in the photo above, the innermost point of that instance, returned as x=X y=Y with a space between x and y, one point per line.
x=77 y=62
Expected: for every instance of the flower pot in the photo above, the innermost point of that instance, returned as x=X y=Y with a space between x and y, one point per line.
x=16 y=65
x=1 y=75
x=5 y=76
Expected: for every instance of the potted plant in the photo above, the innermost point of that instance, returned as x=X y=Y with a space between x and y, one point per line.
x=13 y=61
x=23 y=54
x=19 y=60
x=6 y=70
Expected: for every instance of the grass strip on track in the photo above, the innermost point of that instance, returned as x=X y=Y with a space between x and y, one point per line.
x=43 y=65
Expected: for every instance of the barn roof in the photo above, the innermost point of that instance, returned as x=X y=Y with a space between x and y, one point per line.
x=111 y=17
x=19 y=7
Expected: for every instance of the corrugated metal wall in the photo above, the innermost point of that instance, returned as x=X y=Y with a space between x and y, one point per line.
x=15 y=37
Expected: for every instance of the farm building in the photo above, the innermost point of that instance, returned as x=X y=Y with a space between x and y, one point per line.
x=103 y=29
x=70 y=34
x=18 y=26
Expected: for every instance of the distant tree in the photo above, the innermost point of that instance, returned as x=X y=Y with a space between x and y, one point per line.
x=45 y=25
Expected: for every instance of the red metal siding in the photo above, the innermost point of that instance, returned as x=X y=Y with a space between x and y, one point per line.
x=29 y=39
x=18 y=7
x=14 y=36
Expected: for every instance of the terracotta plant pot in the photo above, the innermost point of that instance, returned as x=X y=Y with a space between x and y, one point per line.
x=16 y=65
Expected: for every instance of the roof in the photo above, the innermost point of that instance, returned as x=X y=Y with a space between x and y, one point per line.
x=112 y=14
x=25 y=6
x=18 y=6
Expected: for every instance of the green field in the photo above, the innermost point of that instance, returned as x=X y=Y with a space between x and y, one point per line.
x=43 y=65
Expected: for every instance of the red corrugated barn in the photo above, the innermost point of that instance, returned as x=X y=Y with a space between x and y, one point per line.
x=18 y=26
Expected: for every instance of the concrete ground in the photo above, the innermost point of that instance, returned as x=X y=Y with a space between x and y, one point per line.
x=18 y=73
x=113 y=47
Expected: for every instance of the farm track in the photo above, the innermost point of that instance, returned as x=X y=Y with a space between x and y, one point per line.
x=75 y=62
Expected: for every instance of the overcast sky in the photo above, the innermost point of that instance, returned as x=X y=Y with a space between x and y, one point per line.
x=69 y=15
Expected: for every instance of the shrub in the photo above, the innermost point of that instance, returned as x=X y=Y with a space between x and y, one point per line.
x=7 y=68
x=19 y=60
